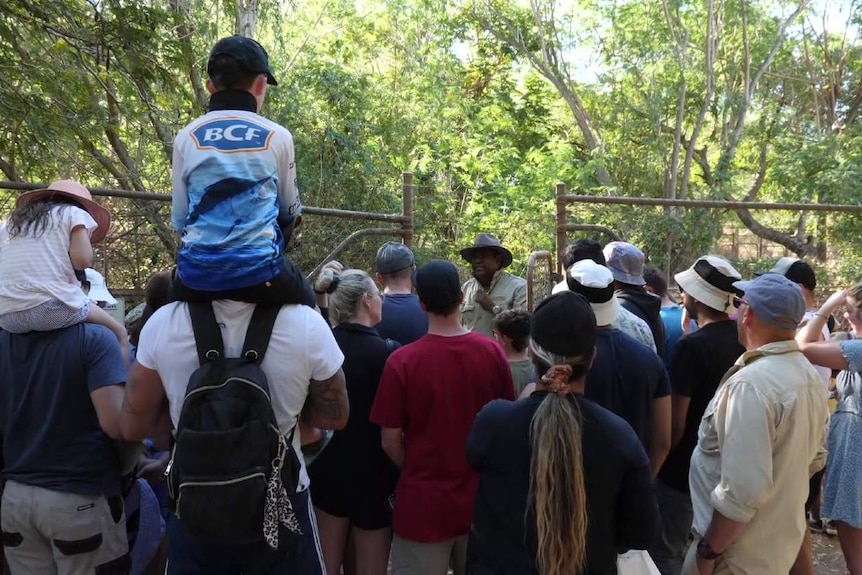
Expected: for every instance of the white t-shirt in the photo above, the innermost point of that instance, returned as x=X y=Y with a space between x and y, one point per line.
x=34 y=270
x=301 y=348
x=824 y=372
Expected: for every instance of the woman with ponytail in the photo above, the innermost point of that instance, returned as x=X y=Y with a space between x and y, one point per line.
x=565 y=484
x=353 y=478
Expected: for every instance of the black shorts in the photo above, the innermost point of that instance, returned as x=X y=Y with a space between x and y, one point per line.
x=814 y=489
x=288 y=287
x=363 y=501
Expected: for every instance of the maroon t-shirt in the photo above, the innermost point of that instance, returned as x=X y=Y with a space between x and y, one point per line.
x=433 y=389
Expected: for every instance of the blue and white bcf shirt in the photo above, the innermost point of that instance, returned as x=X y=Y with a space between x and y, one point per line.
x=234 y=181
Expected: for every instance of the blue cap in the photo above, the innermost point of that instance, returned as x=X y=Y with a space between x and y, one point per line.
x=775 y=300
x=626 y=262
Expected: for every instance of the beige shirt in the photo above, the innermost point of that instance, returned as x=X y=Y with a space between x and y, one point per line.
x=507 y=292
x=759 y=441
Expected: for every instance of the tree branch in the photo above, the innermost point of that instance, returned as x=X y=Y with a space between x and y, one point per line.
x=9 y=170
x=184 y=35
x=729 y=153
x=514 y=39
x=712 y=39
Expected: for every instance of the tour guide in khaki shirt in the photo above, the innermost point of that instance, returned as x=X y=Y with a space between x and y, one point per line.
x=490 y=290
x=758 y=443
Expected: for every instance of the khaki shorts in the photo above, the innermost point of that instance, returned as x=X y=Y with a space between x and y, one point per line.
x=60 y=533
x=413 y=558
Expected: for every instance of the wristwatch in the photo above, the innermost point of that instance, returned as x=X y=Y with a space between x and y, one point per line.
x=704 y=551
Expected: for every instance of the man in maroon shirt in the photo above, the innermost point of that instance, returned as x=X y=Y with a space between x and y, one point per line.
x=429 y=395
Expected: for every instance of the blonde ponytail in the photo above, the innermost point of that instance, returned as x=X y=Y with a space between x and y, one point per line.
x=557 y=478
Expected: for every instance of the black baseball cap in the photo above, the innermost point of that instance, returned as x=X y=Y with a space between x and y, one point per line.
x=564 y=324
x=438 y=286
x=796 y=270
x=247 y=51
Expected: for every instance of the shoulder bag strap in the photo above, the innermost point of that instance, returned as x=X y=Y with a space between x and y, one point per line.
x=207 y=331
x=391 y=345
x=259 y=332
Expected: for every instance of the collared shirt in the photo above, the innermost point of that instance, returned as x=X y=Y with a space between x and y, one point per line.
x=758 y=443
x=507 y=292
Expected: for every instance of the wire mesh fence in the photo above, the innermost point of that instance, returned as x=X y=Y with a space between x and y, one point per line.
x=142 y=242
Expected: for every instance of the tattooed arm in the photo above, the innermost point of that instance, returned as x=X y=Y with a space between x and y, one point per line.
x=327 y=406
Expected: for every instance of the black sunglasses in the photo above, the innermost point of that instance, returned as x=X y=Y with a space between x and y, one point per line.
x=738 y=301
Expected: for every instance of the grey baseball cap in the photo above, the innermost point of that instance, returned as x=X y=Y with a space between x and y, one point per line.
x=774 y=299
x=626 y=262
x=393 y=257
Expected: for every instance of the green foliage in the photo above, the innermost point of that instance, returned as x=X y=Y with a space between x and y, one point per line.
x=488 y=102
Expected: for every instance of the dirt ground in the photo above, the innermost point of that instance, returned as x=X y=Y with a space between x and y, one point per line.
x=827 y=555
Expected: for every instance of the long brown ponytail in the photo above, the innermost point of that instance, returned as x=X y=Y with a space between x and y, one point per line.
x=557 y=475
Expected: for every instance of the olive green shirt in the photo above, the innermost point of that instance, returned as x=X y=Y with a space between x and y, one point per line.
x=523 y=372
x=507 y=292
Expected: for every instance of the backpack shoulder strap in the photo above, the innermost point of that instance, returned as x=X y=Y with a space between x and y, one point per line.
x=207 y=331
x=391 y=345
x=259 y=332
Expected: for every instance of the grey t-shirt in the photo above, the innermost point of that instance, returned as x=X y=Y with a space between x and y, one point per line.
x=523 y=373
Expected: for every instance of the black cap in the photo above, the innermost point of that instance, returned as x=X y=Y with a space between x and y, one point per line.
x=438 y=286
x=797 y=271
x=564 y=324
x=248 y=52
x=393 y=257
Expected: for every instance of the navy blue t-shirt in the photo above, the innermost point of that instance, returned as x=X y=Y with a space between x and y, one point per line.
x=51 y=433
x=403 y=318
x=622 y=511
x=625 y=378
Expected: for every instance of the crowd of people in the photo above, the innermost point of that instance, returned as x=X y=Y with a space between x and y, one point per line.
x=251 y=422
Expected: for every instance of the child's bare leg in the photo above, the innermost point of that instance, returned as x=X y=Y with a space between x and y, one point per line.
x=101 y=317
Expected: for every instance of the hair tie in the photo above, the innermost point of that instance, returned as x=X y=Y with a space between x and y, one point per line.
x=335 y=281
x=557 y=379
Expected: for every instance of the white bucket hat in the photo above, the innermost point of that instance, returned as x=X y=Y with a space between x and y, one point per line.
x=710 y=281
x=596 y=283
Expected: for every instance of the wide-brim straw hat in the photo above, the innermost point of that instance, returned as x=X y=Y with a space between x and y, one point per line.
x=77 y=193
x=488 y=242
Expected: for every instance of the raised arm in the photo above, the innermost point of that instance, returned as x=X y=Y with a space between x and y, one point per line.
x=828 y=354
x=327 y=406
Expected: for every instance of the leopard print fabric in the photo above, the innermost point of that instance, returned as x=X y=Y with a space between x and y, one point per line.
x=278 y=509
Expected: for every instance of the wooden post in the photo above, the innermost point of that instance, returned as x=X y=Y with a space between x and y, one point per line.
x=407 y=207
x=561 y=225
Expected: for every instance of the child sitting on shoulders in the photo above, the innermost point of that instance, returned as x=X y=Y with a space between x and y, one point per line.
x=44 y=247
x=235 y=201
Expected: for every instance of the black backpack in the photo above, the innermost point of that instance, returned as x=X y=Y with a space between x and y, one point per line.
x=227 y=444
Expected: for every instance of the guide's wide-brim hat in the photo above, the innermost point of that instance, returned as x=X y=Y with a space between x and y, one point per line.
x=488 y=242
x=80 y=195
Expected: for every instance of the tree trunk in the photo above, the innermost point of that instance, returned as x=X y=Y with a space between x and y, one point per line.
x=246 y=17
